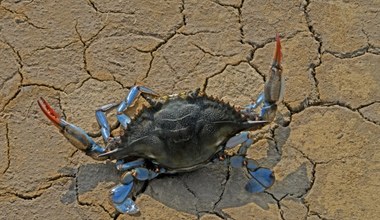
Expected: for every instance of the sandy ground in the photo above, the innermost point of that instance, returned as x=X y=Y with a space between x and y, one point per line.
x=323 y=146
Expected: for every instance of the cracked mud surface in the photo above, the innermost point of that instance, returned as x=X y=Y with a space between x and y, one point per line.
x=323 y=146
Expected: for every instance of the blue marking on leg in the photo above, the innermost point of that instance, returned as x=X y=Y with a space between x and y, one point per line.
x=123 y=119
x=122 y=106
x=141 y=173
x=96 y=149
x=121 y=166
x=237 y=139
x=128 y=206
x=257 y=103
x=120 y=192
x=126 y=178
x=119 y=197
x=102 y=121
x=146 y=90
x=133 y=94
x=101 y=118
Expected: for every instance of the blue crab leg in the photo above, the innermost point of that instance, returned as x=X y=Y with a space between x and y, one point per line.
x=257 y=103
x=236 y=140
x=128 y=101
x=121 y=201
x=273 y=90
x=103 y=122
x=119 y=195
x=75 y=135
x=121 y=166
x=260 y=178
x=123 y=119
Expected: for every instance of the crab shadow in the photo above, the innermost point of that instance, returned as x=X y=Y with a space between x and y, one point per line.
x=216 y=187
x=207 y=190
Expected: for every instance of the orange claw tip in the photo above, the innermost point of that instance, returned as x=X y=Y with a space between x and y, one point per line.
x=277 y=54
x=49 y=111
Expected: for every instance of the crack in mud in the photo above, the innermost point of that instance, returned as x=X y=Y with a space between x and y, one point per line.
x=21 y=65
x=347 y=106
x=56 y=47
x=313 y=171
x=8 y=148
x=278 y=202
x=205 y=84
x=194 y=195
x=238 y=7
x=313 y=66
x=211 y=53
x=93 y=5
x=25 y=18
x=81 y=203
x=86 y=44
x=43 y=85
x=362 y=114
x=241 y=28
x=150 y=66
x=182 y=9
x=11 y=99
x=40 y=191
x=220 y=213
x=24 y=196
x=356 y=53
x=96 y=9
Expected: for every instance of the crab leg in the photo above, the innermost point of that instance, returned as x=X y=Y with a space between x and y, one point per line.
x=128 y=101
x=273 y=90
x=119 y=195
x=101 y=118
x=260 y=178
x=122 y=118
x=75 y=135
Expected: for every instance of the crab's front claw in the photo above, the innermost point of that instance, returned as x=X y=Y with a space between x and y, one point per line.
x=274 y=86
x=75 y=135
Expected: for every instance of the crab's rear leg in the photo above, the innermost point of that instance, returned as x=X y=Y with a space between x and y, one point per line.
x=120 y=194
x=75 y=135
x=273 y=90
x=261 y=178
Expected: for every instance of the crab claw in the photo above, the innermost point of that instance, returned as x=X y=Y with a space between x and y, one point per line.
x=49 y=112
x=274 y=87
x=75 y=135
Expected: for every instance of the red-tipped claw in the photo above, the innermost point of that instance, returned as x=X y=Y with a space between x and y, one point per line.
x=277 y=53
x=49 y=112
x=75 y=135
x=274 y=86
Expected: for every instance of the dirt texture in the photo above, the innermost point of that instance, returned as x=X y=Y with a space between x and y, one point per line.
x=324 y=145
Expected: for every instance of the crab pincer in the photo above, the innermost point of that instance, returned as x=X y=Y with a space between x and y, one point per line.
x=75 y=135
x=274 y=87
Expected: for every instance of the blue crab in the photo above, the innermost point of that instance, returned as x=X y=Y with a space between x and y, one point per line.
x=177 y=133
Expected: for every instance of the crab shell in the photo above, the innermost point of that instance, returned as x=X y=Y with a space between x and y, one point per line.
x=180 y=132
